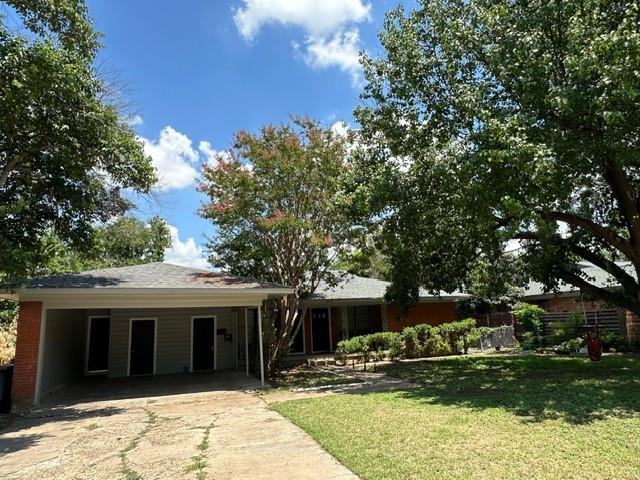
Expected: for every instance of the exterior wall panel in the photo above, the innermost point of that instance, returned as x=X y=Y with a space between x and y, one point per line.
x=64 y=348
x=173 y=348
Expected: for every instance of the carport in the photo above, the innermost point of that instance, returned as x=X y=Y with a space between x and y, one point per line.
x=145 y=320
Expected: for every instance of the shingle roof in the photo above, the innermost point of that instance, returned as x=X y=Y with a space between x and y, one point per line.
x=593 y=274
x=150 y=275
x=354 y=287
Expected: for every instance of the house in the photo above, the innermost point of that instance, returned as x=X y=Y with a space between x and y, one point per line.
x=160 y=318
x=356 y=306
x=148 y=319
x=566 y=299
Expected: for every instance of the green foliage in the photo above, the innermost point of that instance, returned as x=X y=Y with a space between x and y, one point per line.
x=353 y=346
x=396 y=347
x=124 y=241
x=490 y=121
x=412 y=348
x=67 y=153
x=569 y=328
x=614 y=342
x=569 y=346
x=456 y=334
x=530 y=317
x=276 y=201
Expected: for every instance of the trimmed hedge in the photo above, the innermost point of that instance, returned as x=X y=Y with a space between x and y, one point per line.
x=419 y=341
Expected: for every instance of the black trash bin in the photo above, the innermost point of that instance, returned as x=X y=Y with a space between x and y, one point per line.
x=6 y=375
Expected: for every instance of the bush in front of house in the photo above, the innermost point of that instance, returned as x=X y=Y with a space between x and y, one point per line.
x=419 y=341
x=568 y=329
x=612 y=341
x=353 y=346
x=569 y=346
x=530 y=317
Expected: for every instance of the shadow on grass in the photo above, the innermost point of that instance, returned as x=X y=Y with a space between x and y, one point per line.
x=536 y=388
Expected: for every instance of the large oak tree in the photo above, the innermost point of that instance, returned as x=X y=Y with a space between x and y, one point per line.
x=494 y=120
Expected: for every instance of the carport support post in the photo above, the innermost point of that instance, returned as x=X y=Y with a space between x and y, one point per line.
x=260 y=345
x=246 y=342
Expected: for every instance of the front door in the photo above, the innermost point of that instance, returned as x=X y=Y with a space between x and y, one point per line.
x=98 y=354
x=143 y=334
x=204 y=334
x=320 y=330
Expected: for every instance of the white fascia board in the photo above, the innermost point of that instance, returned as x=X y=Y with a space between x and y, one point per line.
x=148 y=298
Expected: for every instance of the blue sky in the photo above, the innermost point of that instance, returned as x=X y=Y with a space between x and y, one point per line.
x=193 y=73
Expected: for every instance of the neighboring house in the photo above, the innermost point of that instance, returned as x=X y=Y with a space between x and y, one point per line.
x=356 y=306
x=566 y=299
x=148 y=319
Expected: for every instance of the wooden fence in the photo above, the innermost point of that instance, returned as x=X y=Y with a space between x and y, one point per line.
x=608 y=320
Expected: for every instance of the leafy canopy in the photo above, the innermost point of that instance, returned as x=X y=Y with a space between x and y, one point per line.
x=275 y=201
x=492 y=120
x=65 y=152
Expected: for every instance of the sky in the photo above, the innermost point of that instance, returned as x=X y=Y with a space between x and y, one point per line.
x=192 y=73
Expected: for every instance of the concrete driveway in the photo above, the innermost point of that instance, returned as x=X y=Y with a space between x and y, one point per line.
x=215 y=434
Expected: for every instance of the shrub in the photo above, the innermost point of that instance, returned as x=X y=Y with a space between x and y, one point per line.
x=457 y=334
x=365 y=345
x=569 y=346
x=396 y=347
x=411 y=345
x=530 y=317
x=380 y=340
x=356 y=345
x=613 y=341
x=435 y=345
x=569 y=328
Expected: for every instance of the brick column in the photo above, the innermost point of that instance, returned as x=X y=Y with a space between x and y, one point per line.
x=27 y=350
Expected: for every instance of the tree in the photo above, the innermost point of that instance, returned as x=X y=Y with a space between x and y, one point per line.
x=65 y=152
x=275 y=201
x=365 y=258
x=121 y=242
x=488 y=121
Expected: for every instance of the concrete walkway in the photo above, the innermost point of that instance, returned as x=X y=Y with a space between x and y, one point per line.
x=214 y=435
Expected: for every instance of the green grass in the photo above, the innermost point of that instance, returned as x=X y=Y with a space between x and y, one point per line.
x=486 y=417
x=307 y=377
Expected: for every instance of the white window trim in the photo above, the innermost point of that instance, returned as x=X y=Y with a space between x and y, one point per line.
x=155 y=343
x=328 y=309
x=86 y=357
x=304 y=337
x=215 y=341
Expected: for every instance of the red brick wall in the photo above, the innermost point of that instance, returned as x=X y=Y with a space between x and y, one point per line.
x=27 y=350
x=570 y=304
x=430 y=313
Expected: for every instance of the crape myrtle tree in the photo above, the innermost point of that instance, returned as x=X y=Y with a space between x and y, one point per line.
x=494 y=120
x=66 y=153
x=275 y=201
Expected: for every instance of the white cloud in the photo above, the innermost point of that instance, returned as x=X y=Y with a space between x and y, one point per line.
x=317 y=17
x=212 y=155
x=331 y=38
x=342 y=51
x=340 y=128
x=187 y=253
x=174 y=159
x=134 y=120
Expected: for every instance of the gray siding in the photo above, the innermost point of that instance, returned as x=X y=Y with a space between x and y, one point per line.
x=64 y=348
x=173 y=348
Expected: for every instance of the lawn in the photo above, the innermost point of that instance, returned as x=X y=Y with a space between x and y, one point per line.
x=486 y=417
x=307 y=377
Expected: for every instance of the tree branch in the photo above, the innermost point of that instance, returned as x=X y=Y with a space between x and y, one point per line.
x=615 y=240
